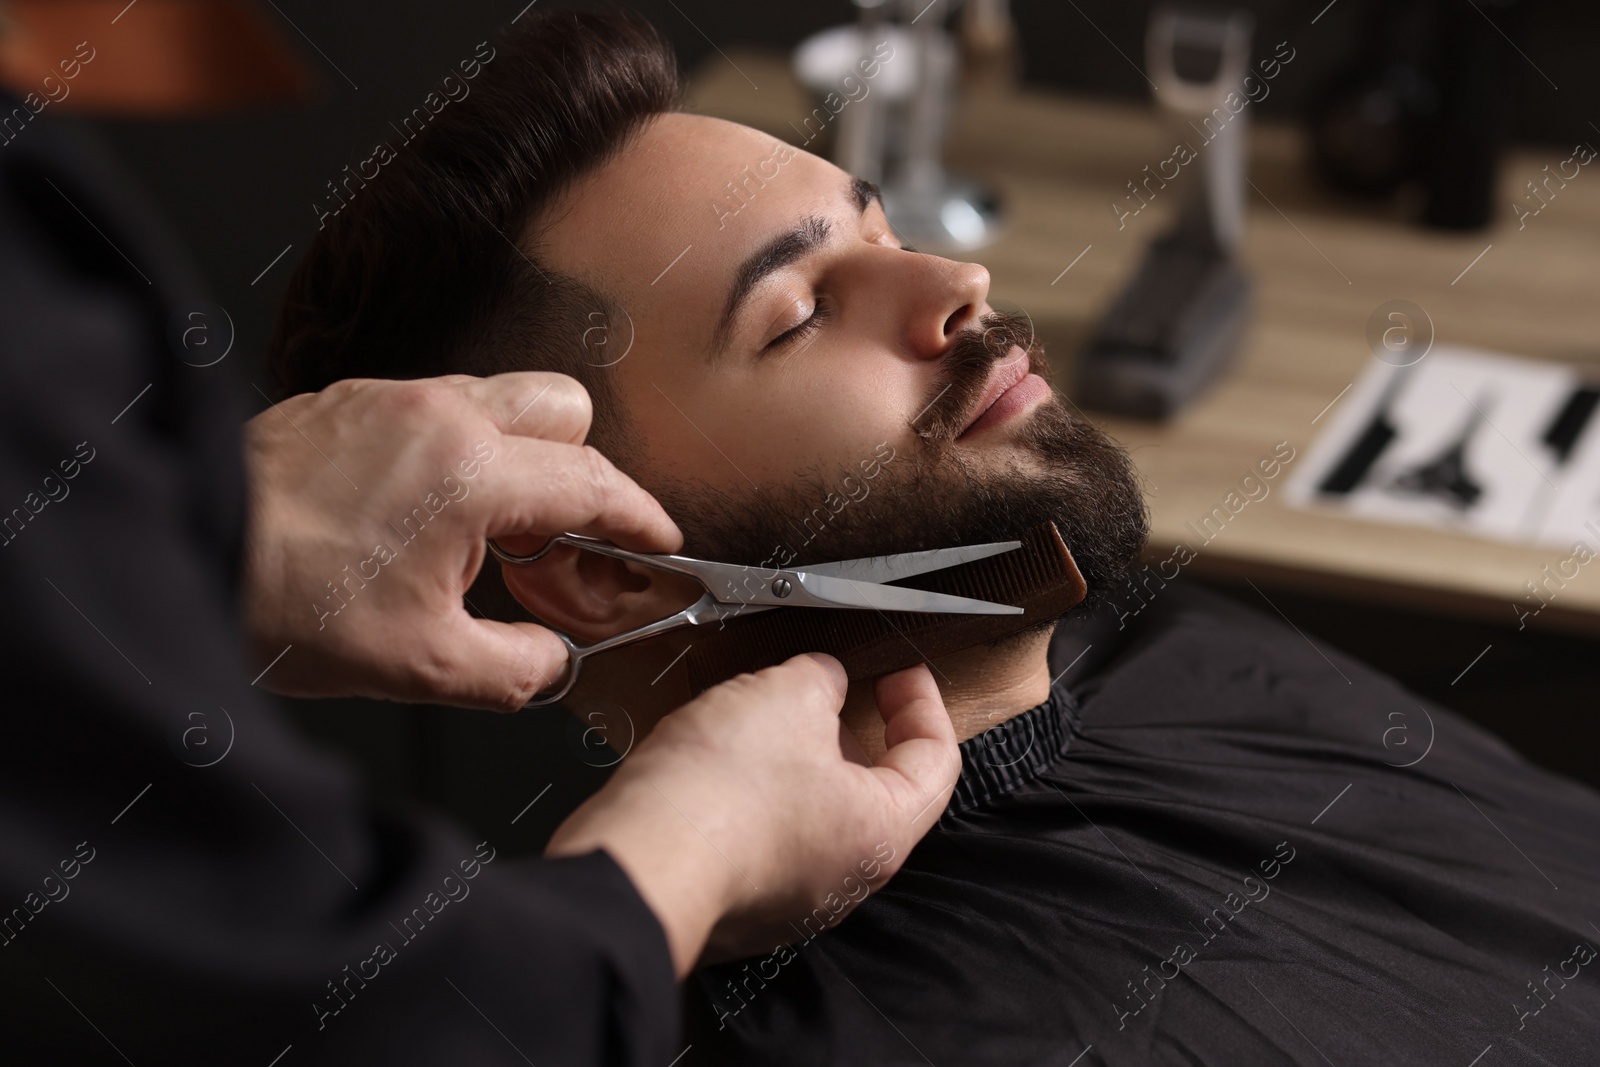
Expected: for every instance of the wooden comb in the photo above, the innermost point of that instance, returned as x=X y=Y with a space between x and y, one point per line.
x=1040 y=577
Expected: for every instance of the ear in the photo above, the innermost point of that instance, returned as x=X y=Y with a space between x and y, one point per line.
x=588 y=596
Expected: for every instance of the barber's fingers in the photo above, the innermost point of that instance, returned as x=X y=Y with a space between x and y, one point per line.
x=911 y=706
x=824 y=672
x=806 y=687
x=540 y=488
x=850 y=748
x=555 y=407
x=498 y=666
x=922 y=761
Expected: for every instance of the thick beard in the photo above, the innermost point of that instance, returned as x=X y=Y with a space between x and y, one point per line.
x=936 y=497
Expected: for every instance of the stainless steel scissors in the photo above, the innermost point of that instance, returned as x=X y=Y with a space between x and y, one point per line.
x=733 y=589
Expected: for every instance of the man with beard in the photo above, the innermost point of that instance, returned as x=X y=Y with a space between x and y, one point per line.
x=759 y=344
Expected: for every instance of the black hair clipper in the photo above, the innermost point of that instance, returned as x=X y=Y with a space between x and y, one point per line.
x=1170 y=332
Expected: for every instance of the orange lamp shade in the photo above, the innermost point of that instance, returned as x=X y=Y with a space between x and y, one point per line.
x=146 y=58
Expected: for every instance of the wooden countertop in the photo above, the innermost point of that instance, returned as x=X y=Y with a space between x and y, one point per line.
x=1321 y=266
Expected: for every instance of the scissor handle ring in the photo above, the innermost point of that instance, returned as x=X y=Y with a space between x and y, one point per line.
x=574 y=659
x=506 y=557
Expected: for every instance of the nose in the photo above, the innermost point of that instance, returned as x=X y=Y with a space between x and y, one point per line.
x=949 y=297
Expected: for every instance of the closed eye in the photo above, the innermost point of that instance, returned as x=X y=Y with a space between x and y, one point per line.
x=821 y=311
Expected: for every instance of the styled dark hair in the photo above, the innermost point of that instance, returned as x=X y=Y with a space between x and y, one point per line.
x=422 y=268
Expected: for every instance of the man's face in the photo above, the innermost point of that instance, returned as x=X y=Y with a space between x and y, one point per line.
x=782 y=341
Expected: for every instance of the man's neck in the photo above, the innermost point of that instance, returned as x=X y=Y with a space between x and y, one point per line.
x=982 y=687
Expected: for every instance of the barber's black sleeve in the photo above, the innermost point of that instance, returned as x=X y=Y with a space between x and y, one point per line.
x=181 y=879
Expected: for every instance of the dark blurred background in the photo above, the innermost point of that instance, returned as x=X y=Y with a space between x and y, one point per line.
x=240 y=188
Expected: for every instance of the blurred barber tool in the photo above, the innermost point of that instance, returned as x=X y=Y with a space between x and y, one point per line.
x=1424 y=103
x=990 y=56
x=891 y=86
x=1177 y=323
x=1369 y=121
x=1352 y=468
x=1447 y=477
x=1558 y=441
x=733 y=590
x=1042 y=578
x=860 y=147
x=1463 y=152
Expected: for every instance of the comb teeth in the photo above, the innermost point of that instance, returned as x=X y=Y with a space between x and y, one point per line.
x=1040 y=577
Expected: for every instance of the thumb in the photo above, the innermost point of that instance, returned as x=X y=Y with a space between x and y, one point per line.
x=500 y=666
x=922 y=762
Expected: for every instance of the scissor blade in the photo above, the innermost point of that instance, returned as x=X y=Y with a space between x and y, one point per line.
x=906 y=564
x=826 y=591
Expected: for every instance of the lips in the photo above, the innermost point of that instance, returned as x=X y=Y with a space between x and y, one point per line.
x=1005 y=374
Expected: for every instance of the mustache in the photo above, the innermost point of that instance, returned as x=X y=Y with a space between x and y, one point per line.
x=964 y=373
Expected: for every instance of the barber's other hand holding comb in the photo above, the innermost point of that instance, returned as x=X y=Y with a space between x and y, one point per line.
x=745 y=825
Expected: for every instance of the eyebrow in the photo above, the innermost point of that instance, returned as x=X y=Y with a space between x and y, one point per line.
x=784 y=249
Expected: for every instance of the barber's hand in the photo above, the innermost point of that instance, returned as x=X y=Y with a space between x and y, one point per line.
x=741 y=821
x=369 y=505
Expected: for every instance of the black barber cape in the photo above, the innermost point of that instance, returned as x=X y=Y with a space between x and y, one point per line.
x=181 y=879
x=1210 y=846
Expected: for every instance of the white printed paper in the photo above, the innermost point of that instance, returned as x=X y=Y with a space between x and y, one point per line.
x=1470 y=442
